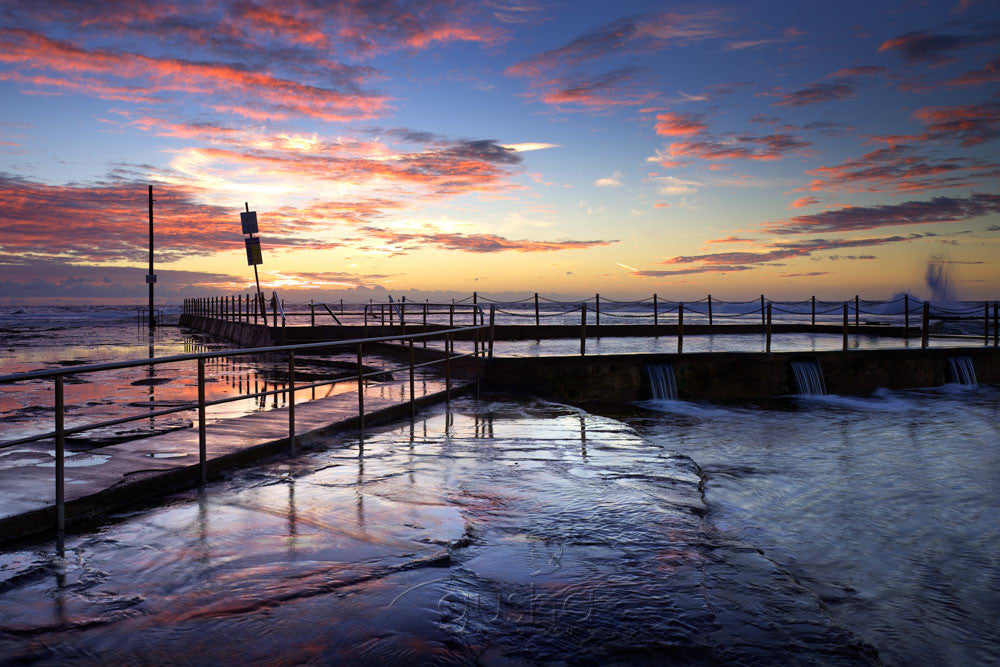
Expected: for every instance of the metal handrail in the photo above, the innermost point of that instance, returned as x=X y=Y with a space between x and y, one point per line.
x=59 y=375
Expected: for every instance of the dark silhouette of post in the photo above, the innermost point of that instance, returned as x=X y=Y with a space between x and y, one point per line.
x=925 y=329
x=768 y=346
x=151 y=277
x=845 y=326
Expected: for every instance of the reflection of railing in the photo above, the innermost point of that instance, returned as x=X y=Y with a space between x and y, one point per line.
x=58 y=377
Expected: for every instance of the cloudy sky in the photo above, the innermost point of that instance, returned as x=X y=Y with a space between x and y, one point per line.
x=506 y=146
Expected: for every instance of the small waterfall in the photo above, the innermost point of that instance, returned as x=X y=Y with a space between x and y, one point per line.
x=662 y=384
x=962 y=370
x=808 y=377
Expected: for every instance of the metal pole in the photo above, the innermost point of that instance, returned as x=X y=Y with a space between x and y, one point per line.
x=996 y=324
x=906 y=316
x=60 y=457
x=475 y=358
x=845 y=326
x=762 y=314
x=493 y=312
x=451 y=316
x=537 y=322
x=925 y=335
x=361 y=393
x=680 y=327
x=709 y=310
x=857 y=311
x=202 y=448
x=312 y=313
x=151 y=276
x=448 y=349
x=291 y=400
x=597 y=310
x=413 y=408
x=814 y=310
x=986 y=322
x=583 y=329
x=656 y=311
x=768 y=347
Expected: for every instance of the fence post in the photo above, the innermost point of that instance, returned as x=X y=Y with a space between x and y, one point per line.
x=597 y=310
x=583 y=329
x=291 y=399
x=709 y=310
x=925 y=332
x=814 y=310
x=448 y=349
x=537 y=322
x=475 y=357
x=413 y=407
x=656 y=311
x=768 y=345
x=493 y=327
x=60 y=457
x=845 y=326
x=361 y=393
x=680 y=327
x=996 y=324
x=857 y=311
x=762 y=313
x=906 y=316
x=986 y=322
x=202 y=446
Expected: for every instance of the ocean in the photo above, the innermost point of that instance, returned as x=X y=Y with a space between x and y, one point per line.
x=814 y=530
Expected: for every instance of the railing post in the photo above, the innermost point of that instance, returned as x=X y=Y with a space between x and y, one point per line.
x=361 y=392
x=493 y=309
x=597 y=310
x=762 y=313
x=906 y=316
x=402 y=314
x=451 y=315
x=996 y=324
x=680 y=327
x=202 y=446
x=537 y=319
x=656 y=311
x=341 y=306
x=413 y=408
x=60 y=457
x=709 y=310
x=925 y=329
x=583 y=329
x=813 y=310
x=857 y=311
x=448 y=349
x=291 y=400
x=768 y=346
x=312 y=313
x=986 y=322
x=475 y=358
x=845 y=326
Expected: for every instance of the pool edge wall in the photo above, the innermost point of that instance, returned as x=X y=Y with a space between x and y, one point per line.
x=731 y=375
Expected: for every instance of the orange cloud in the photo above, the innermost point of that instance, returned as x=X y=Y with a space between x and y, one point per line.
x=679 y=124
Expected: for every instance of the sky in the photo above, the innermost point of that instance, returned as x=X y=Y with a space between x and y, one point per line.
x=500 y=146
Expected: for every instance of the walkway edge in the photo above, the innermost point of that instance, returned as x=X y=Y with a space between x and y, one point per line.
x=141 y=488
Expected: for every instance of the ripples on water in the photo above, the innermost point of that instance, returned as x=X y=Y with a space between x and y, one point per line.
x=888 y=507
x=512 y=529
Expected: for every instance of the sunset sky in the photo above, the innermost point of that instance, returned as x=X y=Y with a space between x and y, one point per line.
x=504 y=146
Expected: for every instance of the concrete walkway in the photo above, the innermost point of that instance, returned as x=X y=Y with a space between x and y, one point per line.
x=104 y=479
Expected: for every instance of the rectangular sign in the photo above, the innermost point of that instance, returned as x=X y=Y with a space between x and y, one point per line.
x=253 y=252
x=249 y=221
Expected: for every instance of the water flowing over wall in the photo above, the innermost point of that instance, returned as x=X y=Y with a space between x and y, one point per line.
x=808 y=376
x=661 y=380
x=962 y=371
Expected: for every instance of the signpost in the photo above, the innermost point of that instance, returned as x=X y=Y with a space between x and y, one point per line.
x=248 y=220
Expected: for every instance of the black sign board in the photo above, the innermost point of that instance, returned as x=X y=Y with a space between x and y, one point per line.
x=253 y=252
x=249 y=221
